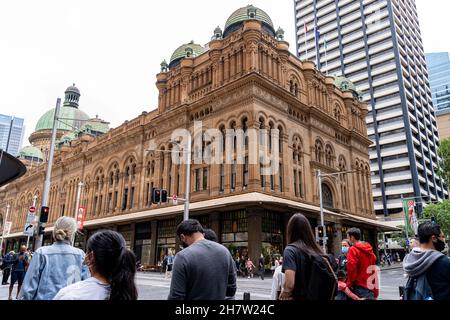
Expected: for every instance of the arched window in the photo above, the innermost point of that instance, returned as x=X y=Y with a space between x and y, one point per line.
x=328 y=155
x=327 y=196
x=318 y=151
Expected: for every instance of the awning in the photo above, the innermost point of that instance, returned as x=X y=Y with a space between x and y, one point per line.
x=11 y=168
x=381 y=226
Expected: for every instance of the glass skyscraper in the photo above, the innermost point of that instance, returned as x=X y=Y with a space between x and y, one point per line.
x=377 y=45
x=439 y=74
x=17 y=132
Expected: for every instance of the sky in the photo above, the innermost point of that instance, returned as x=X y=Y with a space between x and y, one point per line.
x=112 y=49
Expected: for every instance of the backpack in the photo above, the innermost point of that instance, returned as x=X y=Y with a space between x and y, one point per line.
x=418 y=288
x=317 y=273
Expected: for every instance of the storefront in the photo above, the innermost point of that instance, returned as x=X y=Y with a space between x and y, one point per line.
x=272 y=237
x=166 y=242
x=234 y=232
x=143 y=242
x=126 y=232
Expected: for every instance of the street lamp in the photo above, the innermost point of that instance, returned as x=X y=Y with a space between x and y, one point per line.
x=320 y=175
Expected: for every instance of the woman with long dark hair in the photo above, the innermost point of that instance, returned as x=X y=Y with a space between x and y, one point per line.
x=308 y=272
x=113 y=270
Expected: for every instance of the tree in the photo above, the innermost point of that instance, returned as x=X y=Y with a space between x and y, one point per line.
x=444 y=163
x=441 y=212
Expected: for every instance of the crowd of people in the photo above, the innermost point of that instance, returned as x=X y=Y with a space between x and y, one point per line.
x=304 y=272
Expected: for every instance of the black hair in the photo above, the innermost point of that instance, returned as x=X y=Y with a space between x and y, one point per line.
x=188 y=227
x=115 y=262
x=428 y=229
x=210 y=235
x=299 y=231
x=341 y=274
x=354 y=232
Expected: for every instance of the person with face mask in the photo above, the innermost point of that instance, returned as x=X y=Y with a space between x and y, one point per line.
x=192 y=278
x=342 y=259
x=428 y=266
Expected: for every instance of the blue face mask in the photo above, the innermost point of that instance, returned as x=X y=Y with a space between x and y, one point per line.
x=344 y=250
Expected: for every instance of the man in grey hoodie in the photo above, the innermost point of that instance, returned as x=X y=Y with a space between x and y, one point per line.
x=428 y=259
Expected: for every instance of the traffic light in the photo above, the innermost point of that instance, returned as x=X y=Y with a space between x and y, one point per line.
x=41 y=230
x=44 y=215
x=320 y=231
x=164 y=196
x=156 y=196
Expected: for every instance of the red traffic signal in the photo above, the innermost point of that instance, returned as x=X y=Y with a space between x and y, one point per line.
x=44 y=214
x=156 y=196
x=164 y=196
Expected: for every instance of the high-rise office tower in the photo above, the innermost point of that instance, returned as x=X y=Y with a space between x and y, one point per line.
x=439 y=72
x=377 y=45
x=16 y=137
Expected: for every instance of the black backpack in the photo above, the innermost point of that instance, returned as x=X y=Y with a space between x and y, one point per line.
x=418 y=288
x=318 y=281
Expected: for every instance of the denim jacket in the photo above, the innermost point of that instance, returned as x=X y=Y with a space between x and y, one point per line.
x=51 y=269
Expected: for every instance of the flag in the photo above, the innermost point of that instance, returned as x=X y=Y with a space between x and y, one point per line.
x=317 y=35
x=306 y=27
x=410 y=219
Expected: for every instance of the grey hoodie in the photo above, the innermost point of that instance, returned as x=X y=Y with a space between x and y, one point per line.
x=419 y=261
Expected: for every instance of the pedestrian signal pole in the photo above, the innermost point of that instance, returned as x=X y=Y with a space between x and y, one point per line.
x=48 y=174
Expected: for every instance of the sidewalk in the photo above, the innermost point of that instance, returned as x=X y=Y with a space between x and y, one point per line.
x=392 y=266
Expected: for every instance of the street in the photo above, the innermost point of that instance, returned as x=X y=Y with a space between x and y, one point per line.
x=153 y=286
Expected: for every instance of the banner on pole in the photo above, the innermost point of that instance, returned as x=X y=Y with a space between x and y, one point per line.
x=411 y=224
x=7 y=228
x=80 y=217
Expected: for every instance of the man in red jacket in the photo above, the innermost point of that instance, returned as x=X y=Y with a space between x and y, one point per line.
x=361 y=267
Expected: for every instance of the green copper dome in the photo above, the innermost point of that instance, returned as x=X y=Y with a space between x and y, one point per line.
x=95 y=125
x=248 y=13
x=69 y=136
x=344 y=84
x=184 y=50
x=46 y=121
x=31 y=152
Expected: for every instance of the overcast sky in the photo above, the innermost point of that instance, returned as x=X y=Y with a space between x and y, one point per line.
x=112 y=49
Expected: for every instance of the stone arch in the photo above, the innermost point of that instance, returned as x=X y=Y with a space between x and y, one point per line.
x=329 y=154
x=319 y=149
x=329 y=193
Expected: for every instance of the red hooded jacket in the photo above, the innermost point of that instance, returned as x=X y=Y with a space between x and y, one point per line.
x=361 y=263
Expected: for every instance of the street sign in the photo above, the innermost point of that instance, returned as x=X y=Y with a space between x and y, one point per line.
x=7 y=228
x=28 y=229
x=80 y=217
x=175 y=199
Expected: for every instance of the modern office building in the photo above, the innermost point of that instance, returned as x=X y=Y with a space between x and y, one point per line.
x=17 y=132
x=439 y=74
x=377 y=46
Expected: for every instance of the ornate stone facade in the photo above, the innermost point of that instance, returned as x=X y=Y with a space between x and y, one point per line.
x=246 y=80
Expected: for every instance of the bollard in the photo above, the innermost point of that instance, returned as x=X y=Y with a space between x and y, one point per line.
x=246 y=295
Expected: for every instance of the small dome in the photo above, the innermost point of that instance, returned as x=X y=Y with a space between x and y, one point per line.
x=182 y=52
x=31 y=153
x=72 y=88
x=68 y=137
x=244 y=14
x=345 y=85
x=95 y=125
x=46 y=121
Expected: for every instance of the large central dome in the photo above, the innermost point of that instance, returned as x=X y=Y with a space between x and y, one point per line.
x=247 y=13
x=66 y=123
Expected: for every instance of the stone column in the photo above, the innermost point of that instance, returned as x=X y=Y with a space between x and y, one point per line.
x=214 y=219
x=336 y=240
x=133 y=235
x=254 y=216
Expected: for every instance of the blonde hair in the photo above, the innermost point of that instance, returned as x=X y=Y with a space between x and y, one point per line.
x=65 y=228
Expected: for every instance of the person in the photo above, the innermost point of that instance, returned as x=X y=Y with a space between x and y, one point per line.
x=317 y=282
x=397 y=256
x=428 y=260
x=261 y=267
x=6 y=267
x=19 y=266
x=250 y=267
x=342 y=259
x=57 y=266
x=113 y=269
x=169 y=264
x=277 y=281
x=210 y=235
x=361 y=263
x=238 y=264
x=344 y=292
x=192 y=278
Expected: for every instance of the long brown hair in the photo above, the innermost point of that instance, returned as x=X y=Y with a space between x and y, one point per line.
x=299 y=232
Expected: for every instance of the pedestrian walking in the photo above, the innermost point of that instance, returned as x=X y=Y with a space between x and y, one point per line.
x=113 y=269
x=342 y=259
x=428 y=269
x=361 y=267
x=250 y=268
x=55 y=267
x=19 y=266
x=261 y=266
x=192 y=278
x=169 y=264
x=277 y=282
x=309 y=274
x=6 y=267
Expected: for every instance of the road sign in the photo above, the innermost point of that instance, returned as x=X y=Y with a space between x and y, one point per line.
x=175 y=199
x=32 y=210
x=7 y=228
x=80 y=217
x=28 y=229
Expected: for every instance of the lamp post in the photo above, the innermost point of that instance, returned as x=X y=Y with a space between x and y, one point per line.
x=48 y=174
x=3 y=231
x=320 y=175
